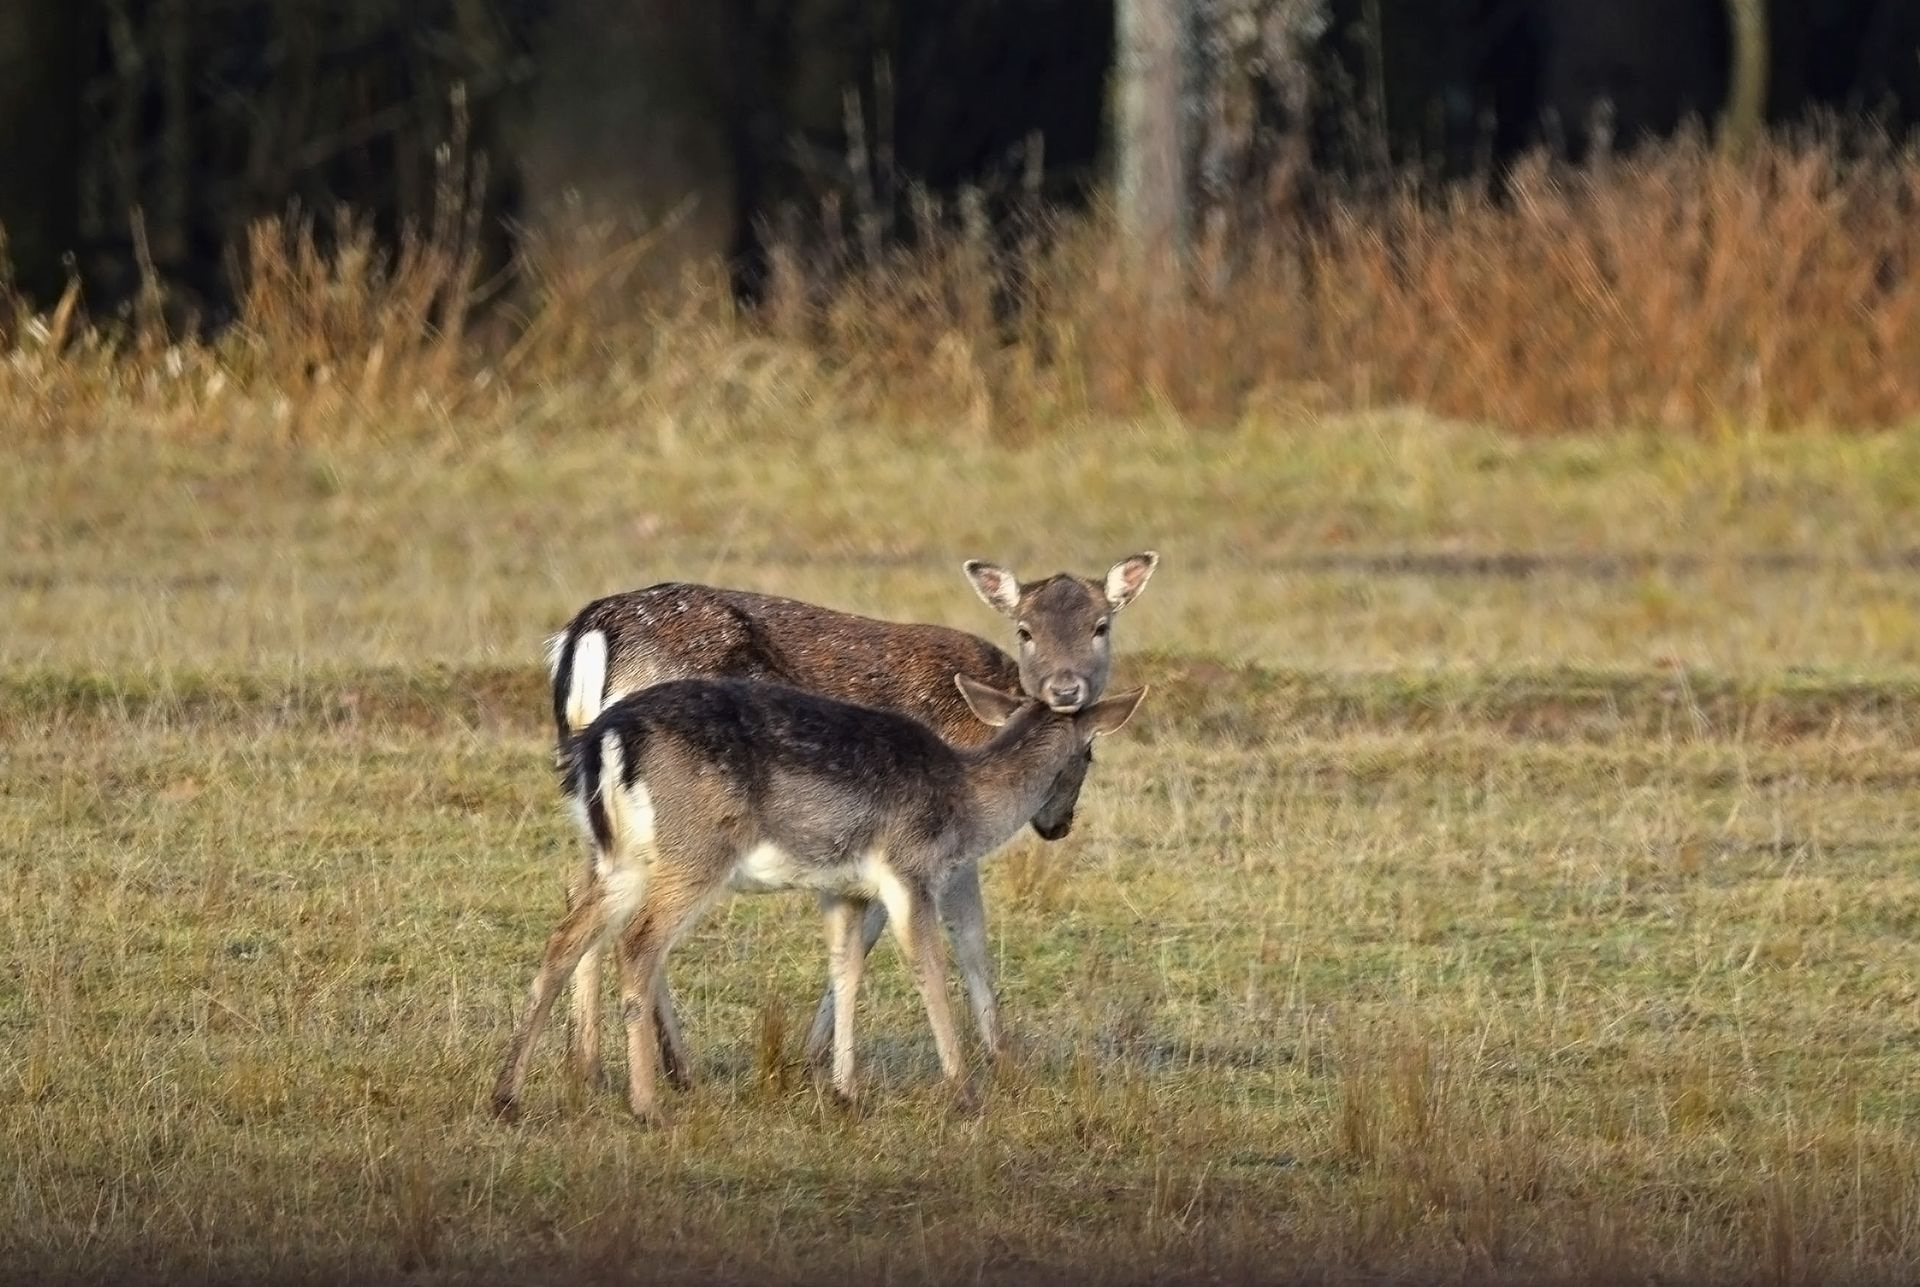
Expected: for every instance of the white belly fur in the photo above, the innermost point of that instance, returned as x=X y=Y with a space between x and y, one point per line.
x=767 y=868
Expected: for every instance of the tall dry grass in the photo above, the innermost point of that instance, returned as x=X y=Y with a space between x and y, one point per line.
x=1681 y=288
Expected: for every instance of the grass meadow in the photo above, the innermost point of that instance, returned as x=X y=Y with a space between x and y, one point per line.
x=1513 y=874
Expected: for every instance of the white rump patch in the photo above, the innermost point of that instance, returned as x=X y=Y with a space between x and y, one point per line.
x=622 y=867
x=587 y=688
x=629 y=810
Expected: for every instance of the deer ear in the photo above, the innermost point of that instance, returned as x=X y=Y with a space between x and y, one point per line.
x=1128 y=577
x=1110 y=714
x=999 y=587
x=990 y=704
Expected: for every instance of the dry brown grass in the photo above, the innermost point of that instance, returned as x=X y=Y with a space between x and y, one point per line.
x=1678 y=288
x=1513 y=878
x=1360 y=1002
x=1441 y=920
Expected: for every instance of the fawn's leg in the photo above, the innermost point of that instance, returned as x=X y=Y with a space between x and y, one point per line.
x=583 y=1027
x=583 y=1006
x=820 y=1037
x=578 y=930
x=917 y=926
x=583 y=1020
x=966 y=917
x=673 y=901
x=846 y=960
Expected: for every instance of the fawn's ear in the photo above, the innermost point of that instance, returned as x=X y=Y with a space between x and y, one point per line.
x=1128 y=577
x=1110 y=714
x=990 y=704
x=999 y=587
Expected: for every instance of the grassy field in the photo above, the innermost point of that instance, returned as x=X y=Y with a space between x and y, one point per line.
x=1514 y=874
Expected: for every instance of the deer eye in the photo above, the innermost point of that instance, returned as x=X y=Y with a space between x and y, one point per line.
x=1100 y=629
x=1024 y=635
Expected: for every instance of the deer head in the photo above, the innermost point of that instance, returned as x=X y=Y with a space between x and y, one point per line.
x=1063 y=625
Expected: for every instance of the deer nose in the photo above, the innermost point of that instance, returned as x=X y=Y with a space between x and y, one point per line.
x=1066 y=694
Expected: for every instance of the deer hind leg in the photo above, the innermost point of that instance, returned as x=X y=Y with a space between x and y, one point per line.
x=620 y=886
x=583 y=1013
x=674 y=900
x=966 y=916
x=582 y=926
x=820 y=1038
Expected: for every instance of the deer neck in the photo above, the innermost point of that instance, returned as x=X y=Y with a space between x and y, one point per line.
x=1011 y=776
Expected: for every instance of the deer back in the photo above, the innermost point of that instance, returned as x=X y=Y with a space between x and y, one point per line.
x=822 y=783
x=677 y=630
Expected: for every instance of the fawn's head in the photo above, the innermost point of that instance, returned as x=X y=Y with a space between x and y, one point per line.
x=1064 y=625
x=1074 y=731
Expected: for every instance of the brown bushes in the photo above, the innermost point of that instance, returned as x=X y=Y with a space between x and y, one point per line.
x=1679 y=288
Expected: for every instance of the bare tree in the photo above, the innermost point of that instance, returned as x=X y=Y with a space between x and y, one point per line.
x=1747 y=95
x=1154 y=83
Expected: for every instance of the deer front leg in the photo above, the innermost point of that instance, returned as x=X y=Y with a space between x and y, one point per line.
x=917 y=926
x=966 y=917
x=820 y=1036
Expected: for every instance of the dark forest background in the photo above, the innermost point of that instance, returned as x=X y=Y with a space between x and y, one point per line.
x=153 y=131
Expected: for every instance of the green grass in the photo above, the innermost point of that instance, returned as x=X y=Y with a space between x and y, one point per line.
x=1433 y=922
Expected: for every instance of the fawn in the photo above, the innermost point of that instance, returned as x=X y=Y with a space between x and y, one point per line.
x=694 y=787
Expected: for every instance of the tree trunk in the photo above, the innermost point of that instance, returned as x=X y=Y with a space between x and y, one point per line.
x=1150 y=141
x=1747 y=87
x=43 y=68
x=625 y=127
